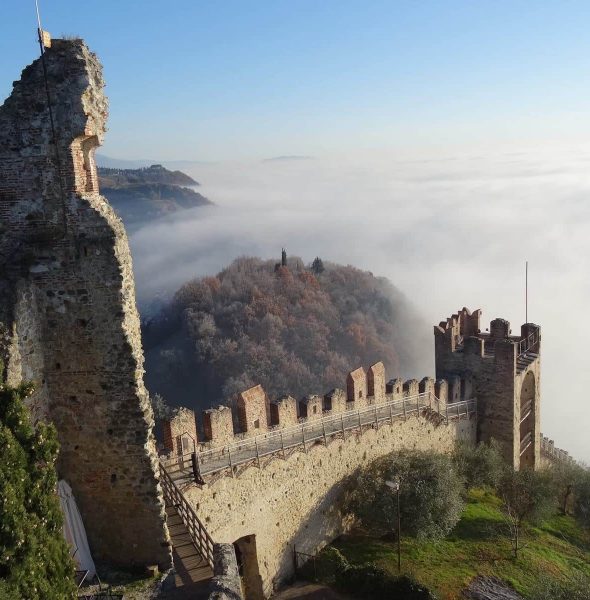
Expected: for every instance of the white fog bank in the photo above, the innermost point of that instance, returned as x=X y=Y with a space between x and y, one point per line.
x=447 y=230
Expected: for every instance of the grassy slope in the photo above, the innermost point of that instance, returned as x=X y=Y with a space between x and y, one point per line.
x=479 y=545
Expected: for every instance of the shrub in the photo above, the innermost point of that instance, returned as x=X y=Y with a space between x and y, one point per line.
x=34 y=558
x=582 y=500
x=369 y=581
x=430 y=495
x=480 y=465
x=327 y=564
x=576 y=587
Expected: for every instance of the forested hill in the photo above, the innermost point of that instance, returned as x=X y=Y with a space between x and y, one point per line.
x=294 y=329
x=118 y=178
x=143 y=195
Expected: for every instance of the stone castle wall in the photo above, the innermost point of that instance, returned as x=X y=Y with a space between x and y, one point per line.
x=295 y=502
x=68 y=320
x=550 y=454
x=256 y=413
x=292 y=499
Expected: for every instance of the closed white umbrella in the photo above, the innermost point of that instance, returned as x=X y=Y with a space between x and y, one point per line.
x=74 y=531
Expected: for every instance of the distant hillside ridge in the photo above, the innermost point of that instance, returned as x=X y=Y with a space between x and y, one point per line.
x=294 y=329
x=114 y=178
x=143 y=195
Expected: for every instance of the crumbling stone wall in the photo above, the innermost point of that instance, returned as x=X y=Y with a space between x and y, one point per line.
x=68 y=320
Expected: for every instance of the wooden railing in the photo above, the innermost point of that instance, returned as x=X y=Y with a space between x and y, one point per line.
x=174 y=497
x=308 y=433
x=525 y=442
x=529 y=342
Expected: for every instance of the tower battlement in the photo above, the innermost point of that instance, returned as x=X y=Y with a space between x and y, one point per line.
x=503 y=369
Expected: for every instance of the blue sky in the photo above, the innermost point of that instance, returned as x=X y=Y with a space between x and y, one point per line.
x=222 y=80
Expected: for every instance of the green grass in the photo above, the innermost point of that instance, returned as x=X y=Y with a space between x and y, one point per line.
x=479 y=545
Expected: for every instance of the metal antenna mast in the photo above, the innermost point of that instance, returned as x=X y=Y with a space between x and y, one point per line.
x=38 y=16
x=51 y=120
x=526 y=292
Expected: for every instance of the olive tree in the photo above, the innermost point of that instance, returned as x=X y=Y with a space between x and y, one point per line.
x=527 y=497
x=430 y=494
x=568 y=478
x=480 y=465
x=582 y=499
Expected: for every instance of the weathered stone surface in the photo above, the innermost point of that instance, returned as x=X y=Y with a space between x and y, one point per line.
x=295 y=502
x=489 y=588
x=503 y=372
x=68 y=316
x=180 y=431
x=226 y=584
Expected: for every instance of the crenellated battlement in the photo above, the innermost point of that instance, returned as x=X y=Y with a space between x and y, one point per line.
x=255 y=414
x=461 y=334
x=502 y=370
x=552 y=454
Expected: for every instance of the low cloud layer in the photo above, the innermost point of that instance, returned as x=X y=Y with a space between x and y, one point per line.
x=448 y=231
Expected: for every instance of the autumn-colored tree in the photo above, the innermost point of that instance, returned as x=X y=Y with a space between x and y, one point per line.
x=294 y=329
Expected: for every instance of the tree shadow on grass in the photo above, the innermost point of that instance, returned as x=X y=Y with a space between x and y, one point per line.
x=476 y=529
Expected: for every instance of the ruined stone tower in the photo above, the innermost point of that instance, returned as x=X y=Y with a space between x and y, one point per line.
x=503 y=372
x=68 y=320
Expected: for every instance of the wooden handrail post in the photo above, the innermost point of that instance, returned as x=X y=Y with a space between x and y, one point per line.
x=283 y=446
x=404 y=407
x=324 y=431
x=257 y=453
x=391 y=414
x=342 y=425
x=231 y=467
x=303 y=437
x=376 y=418
x=360 y=422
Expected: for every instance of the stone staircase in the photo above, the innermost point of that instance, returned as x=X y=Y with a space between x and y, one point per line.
x=524 y=360
x=193 y=572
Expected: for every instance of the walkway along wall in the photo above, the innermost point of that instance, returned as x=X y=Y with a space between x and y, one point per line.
x=290 y=498
x=68 y=320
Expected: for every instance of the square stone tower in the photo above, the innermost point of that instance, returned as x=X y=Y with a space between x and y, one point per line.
x=503 y=372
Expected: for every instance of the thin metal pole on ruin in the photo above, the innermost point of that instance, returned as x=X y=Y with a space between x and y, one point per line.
x=51 y=121
x=526 y=291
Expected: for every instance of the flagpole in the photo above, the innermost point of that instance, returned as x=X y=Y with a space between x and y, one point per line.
x=38 y=14
x=526 y=292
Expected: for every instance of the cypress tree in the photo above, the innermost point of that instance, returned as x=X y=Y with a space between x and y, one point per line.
x=35 y=561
